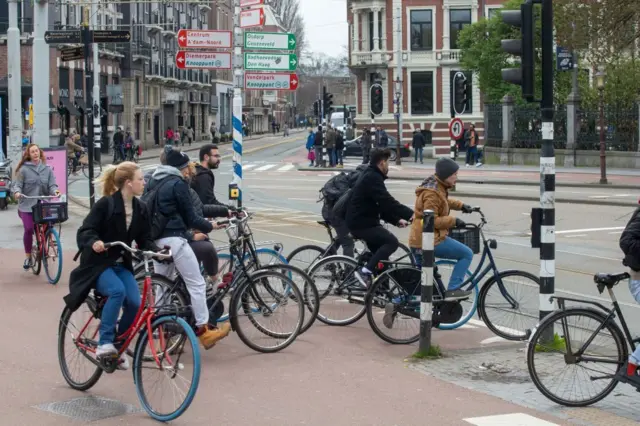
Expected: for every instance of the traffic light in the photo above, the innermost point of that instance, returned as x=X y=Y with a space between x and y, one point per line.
x=327 y=99
x=523 y=47
x=376 y=96
x=462 y=93
x=316 y=109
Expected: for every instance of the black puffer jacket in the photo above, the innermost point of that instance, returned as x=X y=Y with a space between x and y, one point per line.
x=630 y=242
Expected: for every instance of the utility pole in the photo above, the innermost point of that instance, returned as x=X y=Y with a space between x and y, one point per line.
x=40 y=72
x=87 y=39
x=14 y=147
x=399 y=83
x=235 y=187
x=97 y=130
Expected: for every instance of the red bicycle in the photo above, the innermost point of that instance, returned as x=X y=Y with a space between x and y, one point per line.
x=47 y=247
x=160 y=328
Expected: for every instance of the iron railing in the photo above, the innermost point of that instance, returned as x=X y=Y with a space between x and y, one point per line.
x=493 y=132
x=621 y=129
x=528 y=125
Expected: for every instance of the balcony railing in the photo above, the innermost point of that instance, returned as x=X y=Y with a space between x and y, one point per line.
x=24 y=24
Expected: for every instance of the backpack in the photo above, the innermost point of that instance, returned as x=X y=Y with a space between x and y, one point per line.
x=156 y=217
x=334 y=188
x=340 y=208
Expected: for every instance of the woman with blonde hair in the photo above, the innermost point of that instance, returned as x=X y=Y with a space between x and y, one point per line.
x=111 y=272
x=34 y=178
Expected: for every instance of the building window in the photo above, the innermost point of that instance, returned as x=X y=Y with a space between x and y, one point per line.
x=421 y=30
x=137 y=89
x=492 y=11
x=468 y=107
x=422 y=93
x=458 y=19
x=371 y=41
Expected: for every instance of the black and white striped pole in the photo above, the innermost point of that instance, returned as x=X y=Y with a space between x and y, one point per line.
x=547 y=171
x=426 y=295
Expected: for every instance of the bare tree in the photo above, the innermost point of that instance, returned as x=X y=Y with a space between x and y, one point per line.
x=288 y=11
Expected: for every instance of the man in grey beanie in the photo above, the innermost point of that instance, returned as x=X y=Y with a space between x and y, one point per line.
x=433 y=194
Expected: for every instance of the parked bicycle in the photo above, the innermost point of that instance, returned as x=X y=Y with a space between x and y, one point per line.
x=157 y=327
x=47 y=246
x=598 y=353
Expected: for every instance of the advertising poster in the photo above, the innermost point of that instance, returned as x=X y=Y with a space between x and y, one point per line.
x=57 y=160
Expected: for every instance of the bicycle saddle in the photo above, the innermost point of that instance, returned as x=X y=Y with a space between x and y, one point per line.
x=609 y=280
x=323 y=223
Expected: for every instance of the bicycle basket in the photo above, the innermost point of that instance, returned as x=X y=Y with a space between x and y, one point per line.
x=470 y=237
x=50 y=212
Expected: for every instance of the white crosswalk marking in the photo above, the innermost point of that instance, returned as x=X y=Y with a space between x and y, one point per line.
x=263 y=168
x=516 y=419
x=286 y=168
x=248 y=166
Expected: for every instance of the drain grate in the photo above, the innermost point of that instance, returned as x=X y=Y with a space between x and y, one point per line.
x=89 y=409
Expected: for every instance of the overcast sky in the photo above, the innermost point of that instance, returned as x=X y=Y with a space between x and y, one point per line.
x=325 y=25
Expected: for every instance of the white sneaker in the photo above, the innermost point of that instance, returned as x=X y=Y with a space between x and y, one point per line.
x=106 y=350
x=123 y=363
x=466 y=165
x=479 y=164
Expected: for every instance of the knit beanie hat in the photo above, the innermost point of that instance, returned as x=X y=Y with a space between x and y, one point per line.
x=177 y=159
x=446 y=167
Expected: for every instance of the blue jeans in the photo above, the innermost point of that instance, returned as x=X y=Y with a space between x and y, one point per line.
x=472 y=155
x=120 y=288
x=332 y=157
x=337 y=156
x=417 y=153
x=452 y=250
x=634 y=287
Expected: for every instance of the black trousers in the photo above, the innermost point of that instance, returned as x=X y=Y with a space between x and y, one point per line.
x=381 y=243
x=206 y=253
x=343 y=238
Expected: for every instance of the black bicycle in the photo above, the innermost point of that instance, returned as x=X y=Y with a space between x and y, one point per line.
x=600 y=355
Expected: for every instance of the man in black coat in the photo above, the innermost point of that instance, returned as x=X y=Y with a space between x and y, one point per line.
x=418 y=143
x=204 y=182
x=317 y=145
x=630 y=245
x=370 y=201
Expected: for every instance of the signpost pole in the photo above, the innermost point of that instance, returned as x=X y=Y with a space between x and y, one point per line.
x=88 y=77
x=40 y=73
x=96 y=92
x=15 y=86
x=237 y=102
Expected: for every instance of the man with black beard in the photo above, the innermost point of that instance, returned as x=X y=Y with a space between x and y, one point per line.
x=204 y=181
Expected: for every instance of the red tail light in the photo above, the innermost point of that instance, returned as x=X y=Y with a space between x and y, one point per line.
x=380 y=265
x=2 y=183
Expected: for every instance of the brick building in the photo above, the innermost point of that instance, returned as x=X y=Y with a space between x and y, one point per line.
x=430 y=59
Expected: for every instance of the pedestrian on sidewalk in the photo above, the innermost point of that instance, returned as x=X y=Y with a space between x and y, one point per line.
x=331 y=145
x=213 y=130
x=310 y=143
x=33 y=178
x=286 y=130
x=366 y=145
x=118 y=145
x=471 y=143
x=339 y=149
x=273 y=126
x=317 y=145
x=418 y=143
x=190 y=135
x=111 y=272
x=176 y=138
x=630 y=245
x=382 y=139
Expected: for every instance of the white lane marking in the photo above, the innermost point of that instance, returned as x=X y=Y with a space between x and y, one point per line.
x=263 y=168
x=577 y=231
x=561 y=251
x=576 y=236
x=303 y=199
x=515 y=419
x=285 y=168
x=615 y=232
x=248 y=166
x=396 y=181
x=599 y=196
x=495 y=339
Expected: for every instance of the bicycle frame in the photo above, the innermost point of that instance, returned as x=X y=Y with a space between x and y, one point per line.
x=610 y=316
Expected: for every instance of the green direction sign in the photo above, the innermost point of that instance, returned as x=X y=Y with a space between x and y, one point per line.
x=270 y=62
x=269 y=41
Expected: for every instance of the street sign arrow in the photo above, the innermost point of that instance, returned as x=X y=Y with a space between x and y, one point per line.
x=245 y=3
x=270 y=81
x=65 y=36
x=269 y=41
x=204 y=38
x=203 y=60
x=71 y=54
x=111 y=36
x=270 y=62
x=252 y=18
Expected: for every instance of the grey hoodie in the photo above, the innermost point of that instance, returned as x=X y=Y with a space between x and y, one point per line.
x=34 y=180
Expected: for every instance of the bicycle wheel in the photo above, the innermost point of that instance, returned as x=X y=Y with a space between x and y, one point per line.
x=256 y=300
x=403 y=255
x=469 y=306
x=339 y=290
x=97 y=169
x=174 y=368
x=514 y=303
x=305 y=256
x=36 y=255
x=68 y=331
x=597 y=363
x=310 y=291
x=52 y=253
x=395 y=305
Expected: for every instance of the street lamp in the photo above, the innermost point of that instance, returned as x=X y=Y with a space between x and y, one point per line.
x=600 y=81
x=398 y=87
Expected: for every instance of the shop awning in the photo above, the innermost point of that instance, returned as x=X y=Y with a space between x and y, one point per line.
x=68 y=105
x=80 y=104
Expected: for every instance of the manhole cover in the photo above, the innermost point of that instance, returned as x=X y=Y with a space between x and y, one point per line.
x=90 y=408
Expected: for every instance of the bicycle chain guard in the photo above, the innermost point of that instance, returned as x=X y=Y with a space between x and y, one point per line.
x=446 y=313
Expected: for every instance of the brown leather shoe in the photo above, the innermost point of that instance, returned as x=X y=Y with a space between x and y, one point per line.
x=210 y=336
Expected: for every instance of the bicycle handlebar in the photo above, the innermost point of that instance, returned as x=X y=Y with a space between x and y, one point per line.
x=146 y=254
x=40 y=197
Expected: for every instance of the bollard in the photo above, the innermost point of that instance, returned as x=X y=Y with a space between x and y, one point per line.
x=426 y=296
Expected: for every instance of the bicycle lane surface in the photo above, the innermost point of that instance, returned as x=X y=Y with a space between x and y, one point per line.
x=346 y=373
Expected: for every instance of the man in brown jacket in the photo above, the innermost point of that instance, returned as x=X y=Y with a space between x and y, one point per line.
x=433 y=194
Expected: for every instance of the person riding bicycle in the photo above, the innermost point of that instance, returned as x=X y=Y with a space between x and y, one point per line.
x=117 y=216
x=73 y=151
x=630 y=245
x=171 y=220
x=34 y=178
x=129 y=145
x=433 y=194
x=369 y=202
x=204 y=181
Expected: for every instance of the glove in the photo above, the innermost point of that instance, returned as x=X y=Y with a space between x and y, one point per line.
x=460 y=223
x=466 y=208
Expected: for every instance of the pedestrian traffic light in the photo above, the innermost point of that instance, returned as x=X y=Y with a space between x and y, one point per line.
x=316 y=109
x=328 y=101
x=461 y=93
x=523 y=76
x=376 y=96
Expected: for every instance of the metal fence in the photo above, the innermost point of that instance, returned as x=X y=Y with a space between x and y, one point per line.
x=621 y=129
x=528 y=124
x=24 y=24
x=493 y=135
